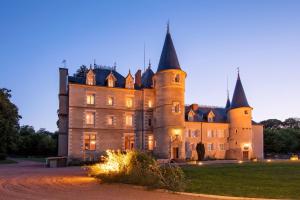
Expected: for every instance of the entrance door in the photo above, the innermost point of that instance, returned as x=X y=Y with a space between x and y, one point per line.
x=245 y=155
x=129 y=142
x=175 y=153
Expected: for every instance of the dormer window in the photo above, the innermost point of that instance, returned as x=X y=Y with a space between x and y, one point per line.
x=191 y=116
x=210 y=116
x=111 y=79
x=129 y=81
x=177 y=78
x=90 y=78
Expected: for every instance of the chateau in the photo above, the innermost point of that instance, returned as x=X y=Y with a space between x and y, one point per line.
x=101 y=109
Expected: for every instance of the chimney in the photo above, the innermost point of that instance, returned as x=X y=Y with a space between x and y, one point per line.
x=138 y=78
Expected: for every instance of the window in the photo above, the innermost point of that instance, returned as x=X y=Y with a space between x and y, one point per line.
x=90 y=80
x=110 y=101
x=150 y=104
x=90 y=118
x=110 y=82
x=246 y=112
x=210 y=133
x=90 y=142
x=210 y=146
x=176 y=107
x=150 y=142
x=220 y=133
x=210 y=119
x=177 y=78
x=129 y=141
x=129 y=102
x=90 y=99
x=128 y=120
x=149 y=122
x=110 y=120
x=222 y=147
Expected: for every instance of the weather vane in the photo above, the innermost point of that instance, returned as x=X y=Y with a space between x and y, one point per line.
x=64 y=62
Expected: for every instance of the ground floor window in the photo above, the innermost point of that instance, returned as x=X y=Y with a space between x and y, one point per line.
x=150 y=142
x=210 y=146
x=222 y=147
x=129 y=141
x=90 y=141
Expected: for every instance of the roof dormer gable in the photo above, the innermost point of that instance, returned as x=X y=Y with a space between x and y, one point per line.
x=90 y=77
x=111 y=80
x=210 y=116
x=129 y=81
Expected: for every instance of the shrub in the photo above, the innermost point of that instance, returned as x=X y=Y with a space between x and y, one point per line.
x=3 y=156
x=138 y=168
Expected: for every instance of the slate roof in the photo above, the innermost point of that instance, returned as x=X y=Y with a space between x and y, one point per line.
x=239 y=98
x=202 y=112
x=228 y=104
x=147 y=78
x=168 y=58
x=101 y=75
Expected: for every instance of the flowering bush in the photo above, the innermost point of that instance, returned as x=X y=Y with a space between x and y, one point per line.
x=138 y=168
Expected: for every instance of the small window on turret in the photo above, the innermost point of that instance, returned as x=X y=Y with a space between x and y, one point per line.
x=176 y=107
x=246 y=112
x=177 y=78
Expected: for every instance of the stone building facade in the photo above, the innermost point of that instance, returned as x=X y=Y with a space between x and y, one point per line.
x=100 y=109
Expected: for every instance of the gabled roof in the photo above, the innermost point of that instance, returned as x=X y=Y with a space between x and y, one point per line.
x=168 y=58
x=228 y=104
x=147 y=78
x=239 y=98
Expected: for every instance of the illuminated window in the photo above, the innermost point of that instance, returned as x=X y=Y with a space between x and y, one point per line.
x=222 y=147
x=150 y=104
x=176 y=107
x=177 y=78
x=90 y=99
x=220 y=133
x=150 y=142
x=210 y=146
x=129 y=102
x=110 y=120
x=129 y=141
x=90 y=142
x=128 y=120
x=90 y=78
x=110 y=82
x=110 y=101
x=210 y=119
x=210 y=133
x=90 y=118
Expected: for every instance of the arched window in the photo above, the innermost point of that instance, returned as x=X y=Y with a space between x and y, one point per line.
x=177 y=78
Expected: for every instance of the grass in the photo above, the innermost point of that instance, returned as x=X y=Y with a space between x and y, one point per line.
x=264 y=180
x=7 y=161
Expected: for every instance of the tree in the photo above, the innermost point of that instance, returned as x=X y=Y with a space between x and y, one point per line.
x=81 y=71
x=200 y=151
x=9 y=122
x=272 y=123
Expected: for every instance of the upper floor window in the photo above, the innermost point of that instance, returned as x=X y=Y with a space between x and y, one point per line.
x=210 y=133
x=129 y=81
x=222 y=147
x=150 y=142
x=90 y=99
x=129 y=102
x=176 y=107
x=220 y=133
x=89 y=142
x=110 y=83
x=110 y=101
x=90 y=118
x=246 y=112
x=128 y=120
x=210 y=146
x=110 y=120
x=90 y=78
x=150 y=104
x=177 y=78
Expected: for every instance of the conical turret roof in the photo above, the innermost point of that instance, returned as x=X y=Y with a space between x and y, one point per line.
x=239 y=98
x=168 y=58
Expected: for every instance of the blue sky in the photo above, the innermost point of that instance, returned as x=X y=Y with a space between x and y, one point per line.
x=212 y=39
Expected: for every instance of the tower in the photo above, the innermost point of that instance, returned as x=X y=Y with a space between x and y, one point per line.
x=240 y=125
x=169 y=84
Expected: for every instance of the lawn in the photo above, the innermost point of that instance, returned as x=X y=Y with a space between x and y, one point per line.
x=265 y=180
x=7 y=162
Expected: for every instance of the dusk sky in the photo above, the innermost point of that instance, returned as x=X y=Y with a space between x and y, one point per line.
x=212 y=39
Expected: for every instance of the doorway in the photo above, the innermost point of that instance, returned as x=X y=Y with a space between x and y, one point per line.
x=245 y=155
x=175 y=152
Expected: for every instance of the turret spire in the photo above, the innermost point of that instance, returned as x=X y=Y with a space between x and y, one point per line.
x=168 y=58
x=239 y=98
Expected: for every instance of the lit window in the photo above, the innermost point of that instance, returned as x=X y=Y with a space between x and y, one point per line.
x=177 y=78
x=210 y=146
x=220 y=133
x=210 y=119
x=210 y=133
x=128 y=120
x=222 y=147
x=129 y=142
x=150 y=104
x=129 y=102
x=90 y=118
x=90 y=99
x=150 y=142
x=110 y=82
x=90 y=142
x=110 y=120
x=90 y=80
x=110 y=101
x=176 y=107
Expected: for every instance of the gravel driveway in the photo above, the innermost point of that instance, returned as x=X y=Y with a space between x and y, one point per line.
x=30 y=180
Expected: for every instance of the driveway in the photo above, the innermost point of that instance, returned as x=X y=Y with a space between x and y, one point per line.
x=30 y=180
